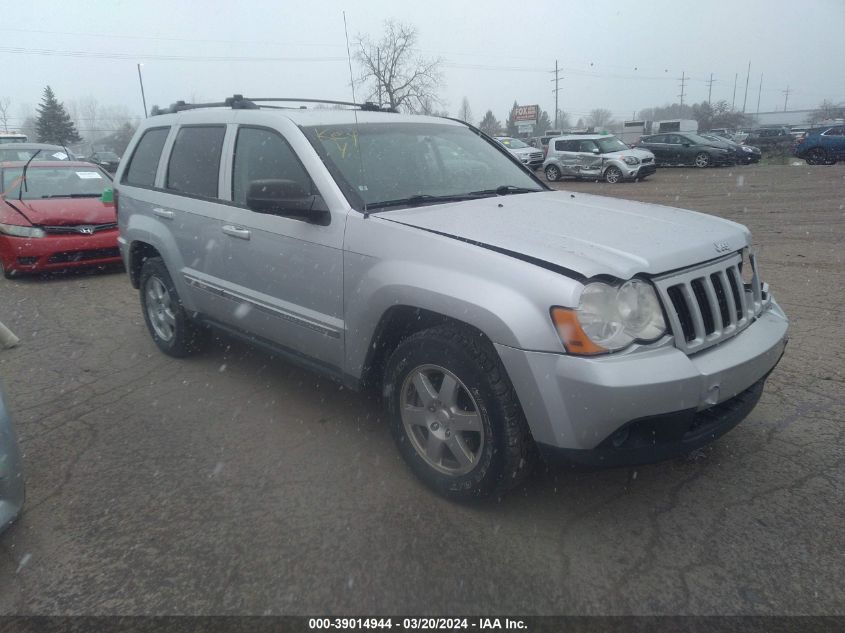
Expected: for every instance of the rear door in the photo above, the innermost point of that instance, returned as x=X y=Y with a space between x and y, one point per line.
x=282 y=275
x=657 y=146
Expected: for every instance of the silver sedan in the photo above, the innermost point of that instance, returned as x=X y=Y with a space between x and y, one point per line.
x=11 y=474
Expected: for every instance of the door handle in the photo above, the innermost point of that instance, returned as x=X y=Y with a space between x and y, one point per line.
x=163 y=213
x=236 y=231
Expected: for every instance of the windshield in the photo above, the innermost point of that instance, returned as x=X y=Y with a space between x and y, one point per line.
x=610 y=144
x=513 y=143
x=12 y=153
x=110 y=156
x=403 y=160
x=54 y=182
x=699 y=140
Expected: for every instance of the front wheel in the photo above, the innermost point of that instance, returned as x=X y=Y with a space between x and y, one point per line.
x=454 y=414
x=702 y=159
x=552 y=173
x=613 y=175
x=169 y=324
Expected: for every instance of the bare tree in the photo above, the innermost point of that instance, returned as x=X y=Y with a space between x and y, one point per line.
x=600 y=117
x=465 y=112
x=393 y=71
x=5 y=102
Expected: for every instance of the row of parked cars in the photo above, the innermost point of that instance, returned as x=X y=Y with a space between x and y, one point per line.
x=605 y=157
x=45 y=151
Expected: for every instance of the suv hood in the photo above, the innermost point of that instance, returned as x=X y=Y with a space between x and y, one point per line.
x=639 y=153
x=587 y=234
x=524 y=151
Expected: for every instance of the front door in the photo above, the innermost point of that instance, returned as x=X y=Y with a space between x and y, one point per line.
x=284 y=275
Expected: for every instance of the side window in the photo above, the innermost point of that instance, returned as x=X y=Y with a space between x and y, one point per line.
x=562 y=146
x=144 y=162
x=194 y=166
x=657 y=139
x=263 y=155
x=587 y=146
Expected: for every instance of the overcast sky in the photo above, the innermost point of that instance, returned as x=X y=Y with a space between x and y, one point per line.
x=623 y=56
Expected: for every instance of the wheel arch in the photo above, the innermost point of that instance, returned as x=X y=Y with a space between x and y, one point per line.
x=139 y=252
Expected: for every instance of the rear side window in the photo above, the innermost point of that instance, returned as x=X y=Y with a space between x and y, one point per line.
x=262 y=155
x=144 y=163
x=194 y=166
x=566 y=146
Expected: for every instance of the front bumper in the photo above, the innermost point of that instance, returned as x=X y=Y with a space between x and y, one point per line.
x=32 y=255
x=641 y=172
x=579 y=403
x=11 y=474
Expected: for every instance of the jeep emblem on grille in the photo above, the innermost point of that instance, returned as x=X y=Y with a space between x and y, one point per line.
x=721 y=247
x=86 y=230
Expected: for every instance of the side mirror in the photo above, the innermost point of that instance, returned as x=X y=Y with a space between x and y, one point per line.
x=595 y=150
x=287 y=198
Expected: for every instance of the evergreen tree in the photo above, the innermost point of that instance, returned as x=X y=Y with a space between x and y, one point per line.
x=54 y=124
x=489 y=124
x=510 y=122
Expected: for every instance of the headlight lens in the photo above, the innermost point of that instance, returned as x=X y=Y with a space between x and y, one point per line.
x=745 y=148
x=21 y=231
x=609 y=318
x=632 y=160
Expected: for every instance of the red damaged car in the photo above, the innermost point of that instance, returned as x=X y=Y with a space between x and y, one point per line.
x=55 y=217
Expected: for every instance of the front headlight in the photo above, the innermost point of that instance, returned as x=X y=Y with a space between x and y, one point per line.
x=745 y=148
x=21 y=231
x=610 y=318
x=631 y=160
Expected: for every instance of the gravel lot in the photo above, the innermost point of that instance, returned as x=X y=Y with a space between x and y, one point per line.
x=235 y=483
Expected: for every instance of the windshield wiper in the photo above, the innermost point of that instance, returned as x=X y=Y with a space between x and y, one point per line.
x=424 y=198
x=504 y=190
x=73 y=195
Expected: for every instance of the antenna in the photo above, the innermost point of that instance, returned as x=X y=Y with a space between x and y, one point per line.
x=355 y=114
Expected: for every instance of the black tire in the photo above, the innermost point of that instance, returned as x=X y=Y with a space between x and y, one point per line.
x=702 y=159
x=613 y=175
x=816 y=156
x=188 y=337
x=8 y=274
x=552 y=173
x=508 y=453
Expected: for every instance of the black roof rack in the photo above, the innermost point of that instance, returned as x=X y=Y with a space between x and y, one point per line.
x=239 y=102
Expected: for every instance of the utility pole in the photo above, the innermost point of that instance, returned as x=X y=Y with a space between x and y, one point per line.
x=143 y=98
x=556 y=90
x=378 y=73
x=786 y=97
x=733 y=99
x=683 y=85
x=759 y=92
x=747 y=78
x=710 y=89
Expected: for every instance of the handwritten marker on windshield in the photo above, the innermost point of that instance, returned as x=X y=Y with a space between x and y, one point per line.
x=7 y=338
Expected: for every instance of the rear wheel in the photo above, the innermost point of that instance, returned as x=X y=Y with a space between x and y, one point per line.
x=454 y=414
x=613 y=175
x=816 y=156
x=172 y=329
x=552 y=173
x=702 y=159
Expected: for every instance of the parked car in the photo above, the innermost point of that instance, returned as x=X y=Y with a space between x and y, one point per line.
x=770 y=138
x=496 y=317
x=597 y=156
x=42 y=152
x=525 y=153
x=745 y=154
x=55 y=218
x=544 y=140
x=737 y=136
x=11 y=471
x=822 y=145
x=106 y=160
x=688 y=149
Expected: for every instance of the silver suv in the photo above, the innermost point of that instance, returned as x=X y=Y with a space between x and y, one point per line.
x=527 y=154
x=498 y=319
x=596 y=156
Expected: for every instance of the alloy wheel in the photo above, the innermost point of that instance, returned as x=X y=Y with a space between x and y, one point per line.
x=442 y=420
x=160 y=309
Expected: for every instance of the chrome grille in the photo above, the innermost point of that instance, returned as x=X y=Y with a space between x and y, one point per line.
x=536 y=156
x=710 y=303
x=83 y=229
